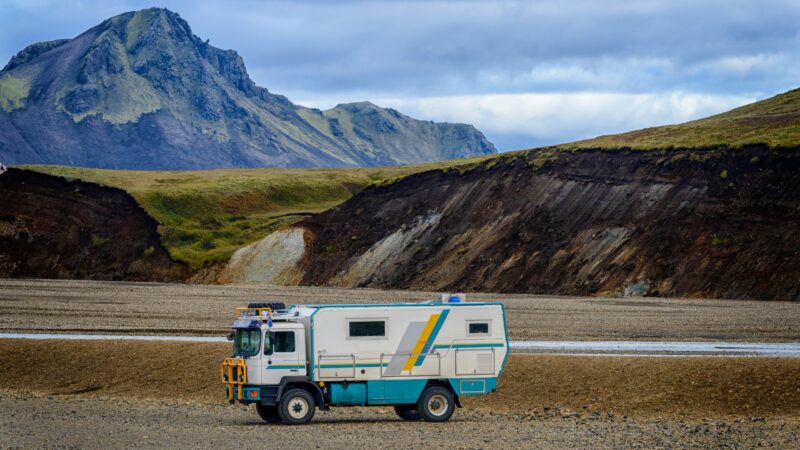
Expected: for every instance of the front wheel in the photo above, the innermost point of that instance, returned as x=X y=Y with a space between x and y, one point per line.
x=407 y=412
x=436 y=404
x=269 y=413
x=297 y=407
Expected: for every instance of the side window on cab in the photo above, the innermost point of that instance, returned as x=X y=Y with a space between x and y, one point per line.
x=284 y=342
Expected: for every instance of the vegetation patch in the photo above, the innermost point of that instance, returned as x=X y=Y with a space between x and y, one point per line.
x=98 y=241
x=205 y=216
x=540 y=158
x=13 y=92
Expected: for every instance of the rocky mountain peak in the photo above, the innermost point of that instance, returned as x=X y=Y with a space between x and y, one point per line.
x=141 y=82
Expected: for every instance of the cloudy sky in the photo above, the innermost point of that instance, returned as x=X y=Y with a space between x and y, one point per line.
x=526 y=73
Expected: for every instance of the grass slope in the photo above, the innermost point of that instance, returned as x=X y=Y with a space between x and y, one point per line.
x=205 y=216
x=774 y=121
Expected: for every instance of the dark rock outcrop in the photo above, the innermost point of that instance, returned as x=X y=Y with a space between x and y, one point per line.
x=714 y=223
x=51 y=227
x=32 y=51
x=140 y=91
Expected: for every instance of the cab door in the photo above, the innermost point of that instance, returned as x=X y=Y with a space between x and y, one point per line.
x=284 y=354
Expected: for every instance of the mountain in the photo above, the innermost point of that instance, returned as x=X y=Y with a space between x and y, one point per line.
x=774 y=121
x=140 y=91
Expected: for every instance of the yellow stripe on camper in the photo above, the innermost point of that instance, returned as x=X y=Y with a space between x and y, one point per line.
x=423 y=338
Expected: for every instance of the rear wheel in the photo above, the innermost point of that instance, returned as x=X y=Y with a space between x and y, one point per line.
x=296 y=407
x=407 y=412
x=268 y=412
x=436 y=404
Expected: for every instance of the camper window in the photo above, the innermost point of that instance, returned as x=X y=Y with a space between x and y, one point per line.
x=366 y=329
x=475 y=327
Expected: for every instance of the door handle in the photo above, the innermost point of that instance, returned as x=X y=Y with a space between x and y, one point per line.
x=292 y=370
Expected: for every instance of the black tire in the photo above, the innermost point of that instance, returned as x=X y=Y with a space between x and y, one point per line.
x=296 y=407
x=407 y=412
x=269 y=413
x=275 y=306
x=436 y=404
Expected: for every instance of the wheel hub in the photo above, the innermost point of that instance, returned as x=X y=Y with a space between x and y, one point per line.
x=298 y=408
x=437 y=405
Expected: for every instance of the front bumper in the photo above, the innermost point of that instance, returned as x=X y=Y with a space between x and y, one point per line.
x=233 y=374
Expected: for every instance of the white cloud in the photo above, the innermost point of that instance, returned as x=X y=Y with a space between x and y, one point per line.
x=524 y=72
x=746 y=63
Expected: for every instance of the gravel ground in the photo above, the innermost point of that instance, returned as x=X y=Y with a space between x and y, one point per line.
x=90 y=394
x=156 y=308
x=538 y=385
x=39 y=421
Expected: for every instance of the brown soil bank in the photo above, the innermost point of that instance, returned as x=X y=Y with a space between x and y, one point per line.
x=705 y=223
x=539 y=385
x=51 y=227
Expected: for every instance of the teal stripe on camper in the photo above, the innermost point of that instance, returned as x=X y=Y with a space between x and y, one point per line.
x=432 y=338
x=475 y=345
x=285 y=366
x=346 y=366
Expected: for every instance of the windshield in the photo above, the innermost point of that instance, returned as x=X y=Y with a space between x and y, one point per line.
x=246 y=342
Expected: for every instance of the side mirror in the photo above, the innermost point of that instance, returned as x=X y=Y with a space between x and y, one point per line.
x=230 y=336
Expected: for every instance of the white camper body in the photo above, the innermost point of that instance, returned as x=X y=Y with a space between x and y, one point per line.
x=369 y=354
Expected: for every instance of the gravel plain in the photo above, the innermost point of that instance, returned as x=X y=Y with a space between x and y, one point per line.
x=115 y=394
x=70 y=422
x=157 y=308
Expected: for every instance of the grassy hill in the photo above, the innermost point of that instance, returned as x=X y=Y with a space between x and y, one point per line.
x=774 y=121
x=206 y=215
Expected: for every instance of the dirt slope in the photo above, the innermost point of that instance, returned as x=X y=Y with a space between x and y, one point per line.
x=51 y=227
x=706 y=223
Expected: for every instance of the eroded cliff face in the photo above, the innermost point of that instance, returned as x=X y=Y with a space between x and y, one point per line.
x=51 y=227
x=712 y=223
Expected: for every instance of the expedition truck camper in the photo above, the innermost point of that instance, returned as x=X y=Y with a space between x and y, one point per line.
x=420 y=358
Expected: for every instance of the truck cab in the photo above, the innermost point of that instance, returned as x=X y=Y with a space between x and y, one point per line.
x=271 y=354
x=420 y=358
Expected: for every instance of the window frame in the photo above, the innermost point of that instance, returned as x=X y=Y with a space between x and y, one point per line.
x=488 y=323
x=260 y=341
x=294 y=342
x=385 y=321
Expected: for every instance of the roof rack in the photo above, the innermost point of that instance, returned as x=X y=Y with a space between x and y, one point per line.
x=260 y=310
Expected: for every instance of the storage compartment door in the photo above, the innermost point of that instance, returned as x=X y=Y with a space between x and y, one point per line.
x=479 y=361
x=348 y=393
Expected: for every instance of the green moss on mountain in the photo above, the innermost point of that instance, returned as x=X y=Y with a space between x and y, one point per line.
x=13 y=91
